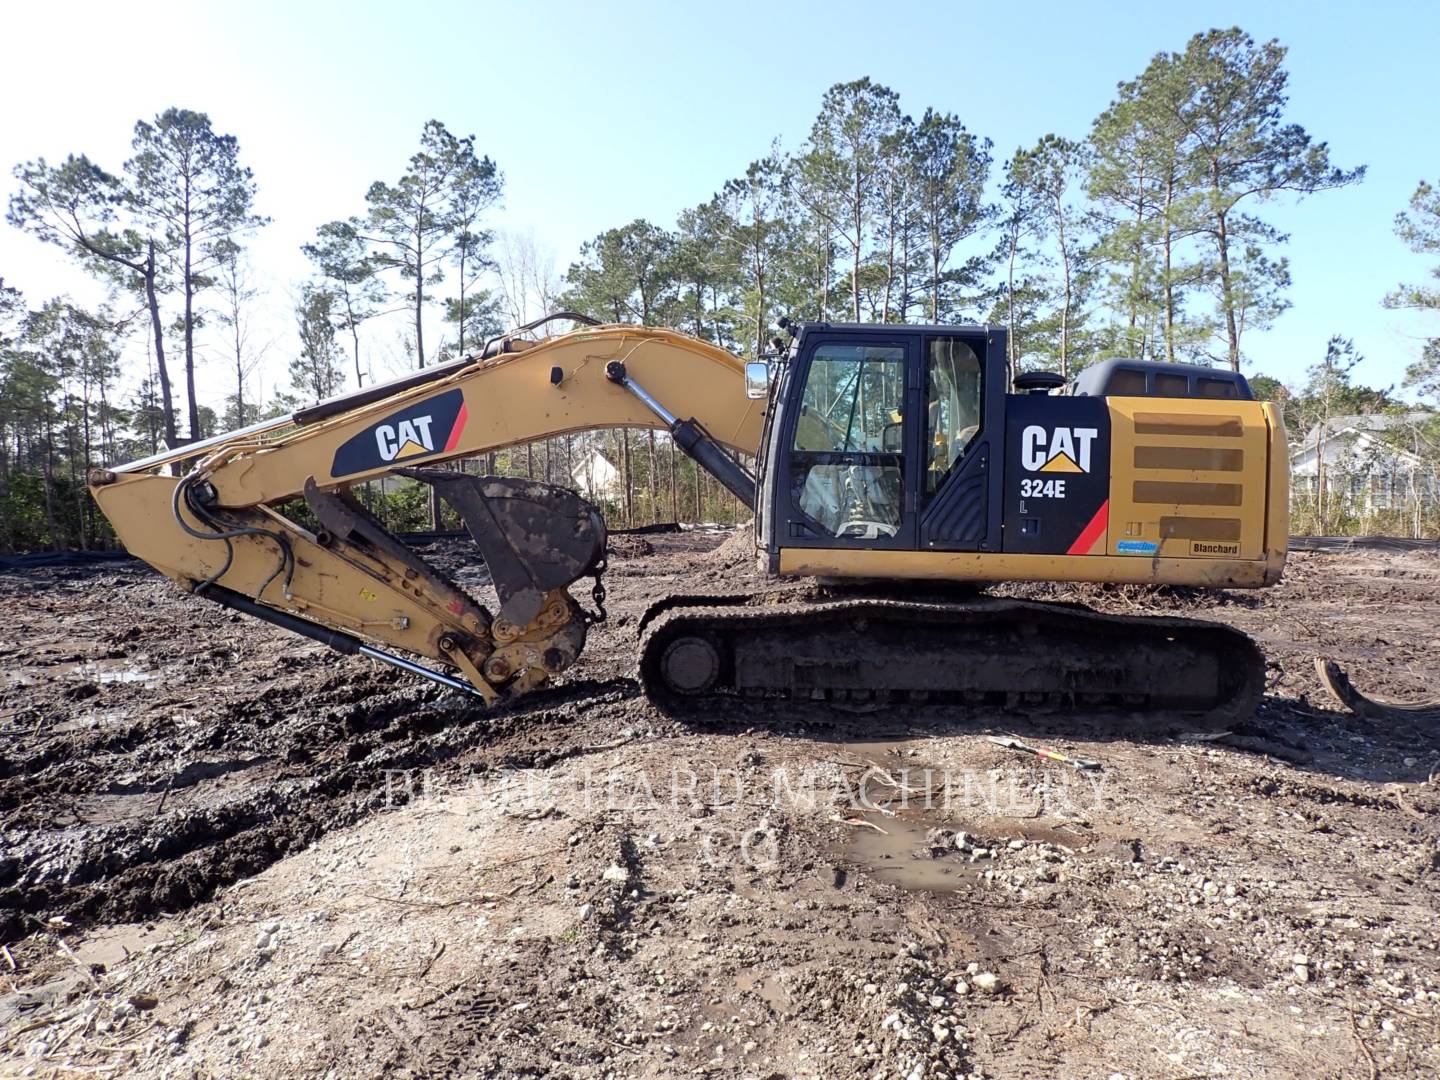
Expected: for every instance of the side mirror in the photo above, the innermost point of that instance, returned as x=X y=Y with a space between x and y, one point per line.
x=757 y=379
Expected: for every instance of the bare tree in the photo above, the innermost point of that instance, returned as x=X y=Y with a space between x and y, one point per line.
x=236 y=298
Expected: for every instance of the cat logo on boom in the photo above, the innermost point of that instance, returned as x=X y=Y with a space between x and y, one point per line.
x=1057 y=450
x=426 y=427
x=405 y=439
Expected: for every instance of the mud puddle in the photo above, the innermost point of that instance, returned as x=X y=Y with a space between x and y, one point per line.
x=895 y=828
x=915 y=825
x=896 y=852
x=103 y=672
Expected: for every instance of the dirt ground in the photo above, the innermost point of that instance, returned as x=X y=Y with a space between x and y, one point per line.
x=227 y=852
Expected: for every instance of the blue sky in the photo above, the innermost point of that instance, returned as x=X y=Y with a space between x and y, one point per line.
x=598 y=114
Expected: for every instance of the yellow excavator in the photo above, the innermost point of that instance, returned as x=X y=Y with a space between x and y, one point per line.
x=901 y=466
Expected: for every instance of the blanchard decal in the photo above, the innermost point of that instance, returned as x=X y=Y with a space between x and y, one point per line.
x=426 y=427
x=1213 y=547
x=1057 y=449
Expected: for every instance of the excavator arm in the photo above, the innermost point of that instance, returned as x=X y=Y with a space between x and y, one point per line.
x=227 y=528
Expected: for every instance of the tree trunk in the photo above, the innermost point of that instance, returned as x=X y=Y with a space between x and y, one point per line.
x=419 y=301
x=1169 y=274
x=49 y=481
x=1012 y=357
x=1135 y=263
x=934 y=271
x=859 y=223
x=1065 y=304
x=239 y=382
x=83 y=502
x=627 y=476
x=889 y=272
x=193 y=411
x=7 y=532
x=354 y=336
x=1227 y=299
x=462 y=305
x=654 y=476
x=107 y=437
x=674 y=484
x=152 y=301
x=822 y=266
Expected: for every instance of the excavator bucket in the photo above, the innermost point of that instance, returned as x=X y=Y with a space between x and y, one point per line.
x=536 y=540
x=534 y=537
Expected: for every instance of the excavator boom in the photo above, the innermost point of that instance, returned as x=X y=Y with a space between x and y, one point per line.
x=225 y=529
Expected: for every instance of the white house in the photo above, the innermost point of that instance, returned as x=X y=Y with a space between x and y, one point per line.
x=596 y=477
x=1364 y=460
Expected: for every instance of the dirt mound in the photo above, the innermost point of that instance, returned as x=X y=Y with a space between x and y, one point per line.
x=738 y=548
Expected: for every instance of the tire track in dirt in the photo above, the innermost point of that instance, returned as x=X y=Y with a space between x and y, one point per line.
x=154 y=748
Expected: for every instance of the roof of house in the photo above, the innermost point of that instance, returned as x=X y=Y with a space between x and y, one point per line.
x=1365 y=422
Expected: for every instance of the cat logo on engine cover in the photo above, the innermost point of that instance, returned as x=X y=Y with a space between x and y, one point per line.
x=1057 y=449
x=424 y=428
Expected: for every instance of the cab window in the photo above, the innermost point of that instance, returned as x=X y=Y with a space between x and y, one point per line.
x=853 y=397
x=953 y=407
x=846 y=454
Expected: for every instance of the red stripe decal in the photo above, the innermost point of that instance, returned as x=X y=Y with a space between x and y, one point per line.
x=1092 y=532
x=455 y=431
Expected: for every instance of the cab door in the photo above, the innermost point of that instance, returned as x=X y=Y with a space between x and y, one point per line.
x=851 y=440
x=962 y=446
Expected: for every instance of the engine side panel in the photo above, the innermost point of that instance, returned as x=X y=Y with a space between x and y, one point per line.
x=1190 y=478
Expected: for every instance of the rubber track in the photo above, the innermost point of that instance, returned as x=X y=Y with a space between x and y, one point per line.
x=667 y=604
x=1236 y=654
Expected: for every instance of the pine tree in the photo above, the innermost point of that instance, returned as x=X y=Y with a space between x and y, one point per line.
x=1246 y=152
x=188 y=184
x=340 y=256
x=428 y=217
x=95 y=216
x=950 y=168
x=839 y=175
x=1050 y=172
x=1419 y=228
x=316 y=373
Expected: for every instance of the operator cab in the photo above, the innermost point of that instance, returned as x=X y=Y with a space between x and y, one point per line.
x=879 y=436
